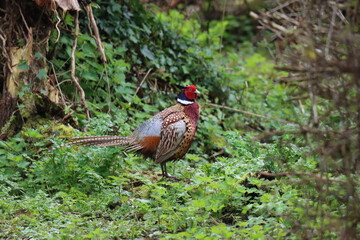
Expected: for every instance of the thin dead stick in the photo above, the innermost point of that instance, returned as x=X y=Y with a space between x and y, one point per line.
x=281 y=6
x=282 y=16
x=268 y=23
x=222 y=26
x=305 y=70
x=313 y=103
x=142 y=81
x=57 y=25
x=251 y=114
x=294 y=78
x=96 y=32
x=89 y=22
x=5 y=53
x=330 y=33
x=73 y=77
x=217 y=153
x=23 y=18
x=67 y=116
x=57 y=83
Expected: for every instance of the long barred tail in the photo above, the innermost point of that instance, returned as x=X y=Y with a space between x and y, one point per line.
x=101 y=141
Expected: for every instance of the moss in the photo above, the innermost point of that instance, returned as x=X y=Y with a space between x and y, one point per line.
x=142 y=191
x=37 y=122
x=9 y=128
x=49 y=127
x=63 y=131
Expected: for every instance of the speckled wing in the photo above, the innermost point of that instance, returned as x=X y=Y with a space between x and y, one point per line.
x=155 y=125
x=171 y=136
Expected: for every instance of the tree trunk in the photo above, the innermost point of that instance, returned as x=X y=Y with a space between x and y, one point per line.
x=24 y=34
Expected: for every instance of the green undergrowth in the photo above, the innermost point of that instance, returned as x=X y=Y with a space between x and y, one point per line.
x=97 y=193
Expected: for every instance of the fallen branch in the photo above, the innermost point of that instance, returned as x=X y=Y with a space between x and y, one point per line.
x=73 y=76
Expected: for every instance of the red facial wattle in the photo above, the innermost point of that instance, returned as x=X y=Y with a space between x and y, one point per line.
x=190 y=92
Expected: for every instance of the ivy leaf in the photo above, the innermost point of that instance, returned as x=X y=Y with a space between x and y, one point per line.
x=42 y=73
x=147 y=53
x=185 y=69
x=23 y=66
x=43 y=92
x=133 y=39
x=38 y=55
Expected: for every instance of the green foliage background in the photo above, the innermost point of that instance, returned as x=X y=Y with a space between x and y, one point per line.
x=94 y=193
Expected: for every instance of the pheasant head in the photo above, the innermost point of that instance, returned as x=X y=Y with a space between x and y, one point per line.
x=188 y=95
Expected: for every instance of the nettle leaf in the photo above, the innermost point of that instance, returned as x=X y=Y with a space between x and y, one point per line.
x=22 y=164
x=200 y=203
x=15 y=158
x=120 y=50
x=32 y=133
x=89 y=50
x=147 y=53
x=90 y=75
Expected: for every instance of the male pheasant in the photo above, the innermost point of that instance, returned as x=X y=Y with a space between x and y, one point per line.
x=167 y=136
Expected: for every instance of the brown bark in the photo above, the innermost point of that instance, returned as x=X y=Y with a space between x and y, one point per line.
x=24 y=33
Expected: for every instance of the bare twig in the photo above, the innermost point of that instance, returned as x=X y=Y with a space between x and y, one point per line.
x=217 y=153
x=57 y=25
x=57 y=82
x=222 y=26
x=267 y=23
x=89 y=22
x=295 y=78
x=142 y=81
x=281 y=6
x=286 y=18
x=306 y=70
x=96 y=32
x=313 y=104
x=73 y=76
x=252 y=114
x=330 y=33
x=67 y=116
x=22 y=16
x=6 y=54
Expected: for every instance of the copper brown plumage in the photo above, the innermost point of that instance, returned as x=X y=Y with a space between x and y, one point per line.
x=167 y=136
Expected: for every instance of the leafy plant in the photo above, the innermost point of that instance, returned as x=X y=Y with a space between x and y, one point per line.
x=89 y=192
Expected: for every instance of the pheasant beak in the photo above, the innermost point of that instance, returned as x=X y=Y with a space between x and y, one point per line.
x=197 y=91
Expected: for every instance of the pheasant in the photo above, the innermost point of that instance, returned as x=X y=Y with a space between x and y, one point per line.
x=165 y=137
